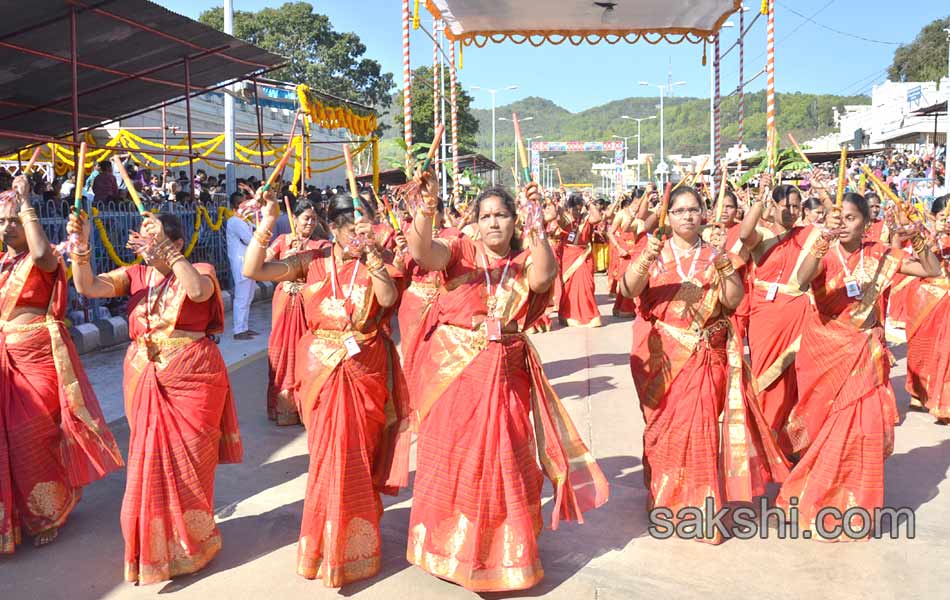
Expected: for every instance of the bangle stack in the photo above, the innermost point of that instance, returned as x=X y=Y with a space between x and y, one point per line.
x=725 y=267
x=820 y=248
x=919 y=243
x=81 y=257
x=28 y=215
x=263 y=237
x=374 y=262
x=642 y=266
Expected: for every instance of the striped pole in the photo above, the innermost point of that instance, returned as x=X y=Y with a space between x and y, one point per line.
x=770 y=88
x=435 y=73
x=456 y=187
x=406 y=77
x=717 y=119
x=741 y=83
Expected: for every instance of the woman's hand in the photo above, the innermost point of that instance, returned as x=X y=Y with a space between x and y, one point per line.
x=832 y=228
x=80 y=227
x=653 y=249
x=22 y=187
x=152 y=228
x=717 y=239
x=271 y=209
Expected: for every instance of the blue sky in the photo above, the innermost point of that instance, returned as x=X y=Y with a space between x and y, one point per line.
x=809 y=57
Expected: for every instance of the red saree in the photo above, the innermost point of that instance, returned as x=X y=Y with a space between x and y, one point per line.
x=578 y=306
x=53 y=437
x=357 y=417
x=688 y=369
x=545 y=322
x=288 y=325
x=777 y=310
x=182 y=423
x=476 y=507
x=843 y=424
x=928 y=329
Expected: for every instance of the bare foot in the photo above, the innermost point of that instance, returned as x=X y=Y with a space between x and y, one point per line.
x=943 y=421
x=45 y=537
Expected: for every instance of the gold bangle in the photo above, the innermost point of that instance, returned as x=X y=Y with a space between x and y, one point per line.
x=919 y=244
x=374 y=261
x=80 y=258
x=263 y=238
x=725 y=268
x=28 y=216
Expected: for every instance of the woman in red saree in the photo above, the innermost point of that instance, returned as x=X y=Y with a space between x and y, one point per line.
x=778 y=304
x=182 y=420
x=288 y=323
x=553 y=231
x=53 y=437
x=688 y=370
x=350 y=387
x=928 y=354
x=843 y=424
x=627 y=237
x=578 y=306
x=476 y=507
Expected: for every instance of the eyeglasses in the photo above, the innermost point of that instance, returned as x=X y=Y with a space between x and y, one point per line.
x=679 y=212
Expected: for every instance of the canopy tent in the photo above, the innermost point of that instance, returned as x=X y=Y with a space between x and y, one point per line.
x=539 y=21
x=75 y=64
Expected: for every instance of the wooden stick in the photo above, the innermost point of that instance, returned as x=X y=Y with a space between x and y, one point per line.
x=389 y=211
x=80 y=175
x=280 y=167
x=664 y=206
x=351 y=177
x=842 y=171
x=436 y=139
x=722 y=192
x=29 y=165
x=521 y=148
x=290 y=217
x=128 y=183
x=560 y=182
x=799 y=150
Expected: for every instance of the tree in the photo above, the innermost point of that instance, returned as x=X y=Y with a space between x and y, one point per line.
x=422 y=122
x=924 y=59
x=323 y=58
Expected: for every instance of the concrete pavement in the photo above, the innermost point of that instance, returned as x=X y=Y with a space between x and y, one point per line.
x=610 y=556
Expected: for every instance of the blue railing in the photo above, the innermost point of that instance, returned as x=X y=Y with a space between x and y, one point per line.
x=118 y=218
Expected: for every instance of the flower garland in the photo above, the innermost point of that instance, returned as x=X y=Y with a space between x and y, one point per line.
x=334 y=117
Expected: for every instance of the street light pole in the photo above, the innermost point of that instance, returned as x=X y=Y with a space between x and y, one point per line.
x=493 y=92
x=663 y=89
x=638 y=120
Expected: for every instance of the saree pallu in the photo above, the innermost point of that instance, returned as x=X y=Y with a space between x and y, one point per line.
x=601 y=253
x=288 y=324
x=843 y=423
x=413 y=305
x=53 y=437
x=356 y=412
x=633 y=243
x=476 y=509
x=928 y=355
x=182 y=423
x=578 y=306
x=688 y=369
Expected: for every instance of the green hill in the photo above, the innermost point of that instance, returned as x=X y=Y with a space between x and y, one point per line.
x=686 y=130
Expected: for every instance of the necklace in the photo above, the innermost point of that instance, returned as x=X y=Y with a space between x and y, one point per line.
x=491 y=299
x=695 y=250
x=844 y=264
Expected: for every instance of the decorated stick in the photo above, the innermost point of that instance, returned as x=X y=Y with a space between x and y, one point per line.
x=389 y=211
x=434 y=147
x=842 y=172
x=29 y=165
x=769 y=9
x=351 y=177
x=80 y=175
x=128 y=183
x=560 y=182
x=286 y=157
x=290 y=217
x=521 y=149
x=664 y=206
x=722 y=192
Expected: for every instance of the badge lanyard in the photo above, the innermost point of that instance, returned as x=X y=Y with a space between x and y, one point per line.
x=158 y=302
x=492 y=322
x=850 y=282
x=698 y=247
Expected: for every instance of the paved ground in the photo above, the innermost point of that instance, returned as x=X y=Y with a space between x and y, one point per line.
x=611 y=556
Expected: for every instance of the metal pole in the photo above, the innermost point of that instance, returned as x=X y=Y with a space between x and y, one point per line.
x=191 y=154
x=164 y=147
x=662 y=155
x=229 y=171
x=74 y=59
x=638 y=152
x=492 y=92
x=260 y=129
